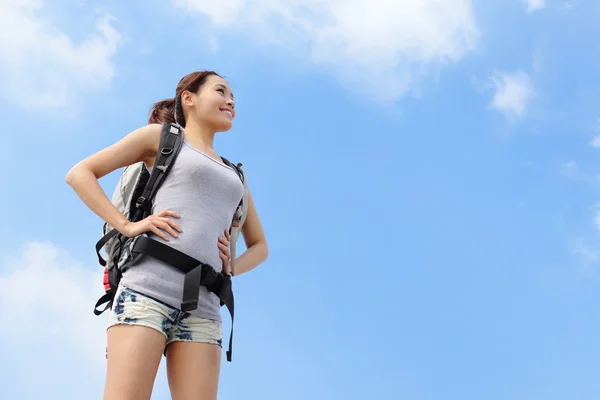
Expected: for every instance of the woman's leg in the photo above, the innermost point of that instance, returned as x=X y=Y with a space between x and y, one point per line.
x=194 y=359
x=136 y=341
x=134 y=354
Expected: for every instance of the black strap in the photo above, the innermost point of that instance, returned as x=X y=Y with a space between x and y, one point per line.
x=171 y=139
x=226 y=296
x=101 y=243
x=191 y=289
x=106 y=298
x=164 y=253
x=236 y=168
x=197 y=274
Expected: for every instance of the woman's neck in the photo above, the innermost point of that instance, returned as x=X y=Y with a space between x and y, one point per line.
x=198 y=135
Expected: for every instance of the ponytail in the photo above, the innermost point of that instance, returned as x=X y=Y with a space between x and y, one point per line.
x=163 y=111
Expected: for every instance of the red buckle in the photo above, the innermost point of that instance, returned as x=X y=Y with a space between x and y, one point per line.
x=105 y=280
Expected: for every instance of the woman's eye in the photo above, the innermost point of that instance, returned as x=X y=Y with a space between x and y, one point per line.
x=221 y=90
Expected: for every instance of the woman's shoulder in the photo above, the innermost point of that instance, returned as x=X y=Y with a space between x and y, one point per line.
x=143 y=141
x=151 y=129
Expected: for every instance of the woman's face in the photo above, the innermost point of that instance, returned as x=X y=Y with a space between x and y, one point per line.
x=213 y=104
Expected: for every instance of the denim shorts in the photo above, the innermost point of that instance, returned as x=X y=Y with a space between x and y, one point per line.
x=134 y=308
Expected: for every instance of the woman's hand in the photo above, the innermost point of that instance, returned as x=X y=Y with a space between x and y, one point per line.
x=157 y=224
x=224 y=248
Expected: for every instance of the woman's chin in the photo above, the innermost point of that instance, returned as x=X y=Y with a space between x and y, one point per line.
x=224 y=126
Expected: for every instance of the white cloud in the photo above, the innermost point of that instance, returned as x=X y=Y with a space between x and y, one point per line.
x=514 y=92
x=597 y=217
x=572 y=4
x=383 y=47
x=535 y=5
x=44 y=281
x=42 y=67
x=596 y=140
x=46 y=303
x=571 y=170
x=55 y=341
x=587 y=255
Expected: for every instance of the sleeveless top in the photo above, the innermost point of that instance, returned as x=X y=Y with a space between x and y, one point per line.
x=205 y=193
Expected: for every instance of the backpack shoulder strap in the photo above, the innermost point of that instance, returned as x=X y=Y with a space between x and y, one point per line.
x=240 y=213
x=171 y=139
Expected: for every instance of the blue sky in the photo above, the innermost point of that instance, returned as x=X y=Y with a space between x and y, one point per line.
x=426 y=177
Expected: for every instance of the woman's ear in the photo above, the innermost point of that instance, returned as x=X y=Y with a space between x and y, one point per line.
x=187 y=98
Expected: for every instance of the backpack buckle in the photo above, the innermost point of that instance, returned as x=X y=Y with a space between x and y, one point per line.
x=141 y=202
x=189 y=305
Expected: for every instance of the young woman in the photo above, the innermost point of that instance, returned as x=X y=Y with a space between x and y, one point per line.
x=192 y=212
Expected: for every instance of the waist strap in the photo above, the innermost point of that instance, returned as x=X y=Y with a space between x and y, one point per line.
x=197 y=274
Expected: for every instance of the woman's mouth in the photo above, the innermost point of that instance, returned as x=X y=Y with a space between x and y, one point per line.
x=228 y=112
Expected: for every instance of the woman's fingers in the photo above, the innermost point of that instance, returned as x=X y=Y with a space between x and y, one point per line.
x=163 y=216
x=158 y=232
x=168 y=213
x=170 y=222
x=165 y=226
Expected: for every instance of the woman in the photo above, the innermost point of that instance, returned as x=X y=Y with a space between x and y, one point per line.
x=192 y=212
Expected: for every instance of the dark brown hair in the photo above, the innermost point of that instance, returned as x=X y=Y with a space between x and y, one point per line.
x=166 y=110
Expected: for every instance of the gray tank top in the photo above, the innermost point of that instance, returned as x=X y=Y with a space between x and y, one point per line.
x=205 y=193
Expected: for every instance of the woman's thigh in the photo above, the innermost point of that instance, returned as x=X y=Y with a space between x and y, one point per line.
x=193 y=370
x=135 y=347
x=194 y=359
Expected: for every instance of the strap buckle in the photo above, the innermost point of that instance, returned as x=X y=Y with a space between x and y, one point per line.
x=141 y=202
x=189 y=305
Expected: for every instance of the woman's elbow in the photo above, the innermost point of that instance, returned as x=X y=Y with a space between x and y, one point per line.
x=71 y=175
x=74 y=174
x=265 y=251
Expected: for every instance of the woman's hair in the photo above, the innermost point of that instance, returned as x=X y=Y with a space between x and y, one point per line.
x=167 y=110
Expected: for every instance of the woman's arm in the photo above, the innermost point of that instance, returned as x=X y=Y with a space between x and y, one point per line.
x=257 y=250
x=139 y=145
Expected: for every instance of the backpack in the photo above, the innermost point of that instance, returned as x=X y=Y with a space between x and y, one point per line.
x=133 y=196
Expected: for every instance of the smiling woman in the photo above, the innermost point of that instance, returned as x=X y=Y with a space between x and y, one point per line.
x=188 y=218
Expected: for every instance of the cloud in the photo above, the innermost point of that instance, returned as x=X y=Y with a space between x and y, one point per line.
x=59 y=345
x=571 y=170
x=535 y=5
x=597 y=217
x=46 y=302
x=513 y=93
x=44 y=281
x=586 y=254
x=569 y=5
x=41 y=66
x=384 y=47
x=596 y=140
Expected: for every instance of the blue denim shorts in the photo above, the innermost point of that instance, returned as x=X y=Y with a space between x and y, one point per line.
x=134 y=308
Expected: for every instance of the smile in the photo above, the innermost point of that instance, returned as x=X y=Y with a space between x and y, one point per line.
x=228 y=112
